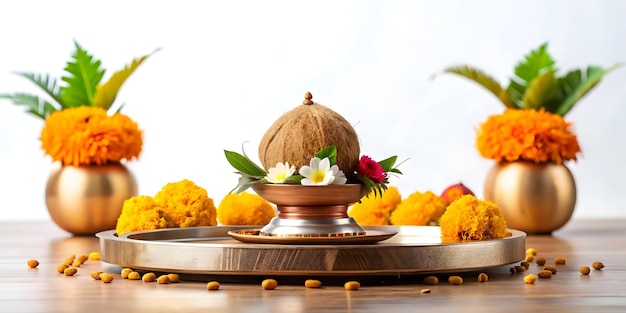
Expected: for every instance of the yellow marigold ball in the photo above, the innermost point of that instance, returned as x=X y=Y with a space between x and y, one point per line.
x=187 y=204
x=245 y=209
x=142 y=213
x=418 y=209
x=469 y=218
x=375 y=210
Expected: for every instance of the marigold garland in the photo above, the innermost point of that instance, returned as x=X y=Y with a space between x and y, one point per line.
x=188 y=204
x=245 y=209
x=418 y=209
x=527 y=135
x=373 y=211
x=178 y=204
x=469 y=218
x=89 y=136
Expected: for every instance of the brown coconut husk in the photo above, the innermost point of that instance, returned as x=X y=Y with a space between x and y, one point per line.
x=302 y=132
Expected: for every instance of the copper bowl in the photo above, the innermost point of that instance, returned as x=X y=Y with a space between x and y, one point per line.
x=311 y=211
x=299 y=195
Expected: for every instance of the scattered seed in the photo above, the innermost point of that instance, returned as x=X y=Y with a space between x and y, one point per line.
x=530 y=258
x=597 y=265
x=163 y=279
x=431 y=280
x=585 y=270
x=174 y=278
x=125 y=271
x=106 y=277
x=482 y=277
x=82 y=258
x=94 y=256
x=550 y=268
x=134 y=276
x=69 y=260
x=269 y=284
x=530 y=279
x=148 y=277
x=32 y=263
x=455 y=280
x=531 y=251
x=70 y=271
x=425 y=291
x=544 y=274
x=352 y=285
x=541 y=261
x=519 y=269
x=312 y=283
x=95 y=275
x=559 y=260
x=213 y=285
x=525 y=264
x=61 y=268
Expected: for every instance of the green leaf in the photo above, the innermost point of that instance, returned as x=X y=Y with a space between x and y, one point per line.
x=245 y=182
x=329 y=152
x=34 y=105
x=387 y=164
x=47 y=84
x=83 y=74
x=541 y=91
x=576 y=86
x=243 y=164
x=536 y=63
x=484 y=80
x=106 y=93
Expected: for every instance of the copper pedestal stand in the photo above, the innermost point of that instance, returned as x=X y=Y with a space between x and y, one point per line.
x=311 y=211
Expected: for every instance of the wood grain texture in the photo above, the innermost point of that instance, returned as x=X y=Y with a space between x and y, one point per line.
x=581 y=242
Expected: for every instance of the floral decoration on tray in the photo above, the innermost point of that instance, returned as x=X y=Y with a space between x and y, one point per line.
x=81 y=126
x=322 y=170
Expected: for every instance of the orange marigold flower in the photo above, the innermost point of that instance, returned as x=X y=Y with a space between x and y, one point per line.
x=142 y=213
x=245 y=209
x=418 y=209
x=527 y=135
x=375 y=210
x=88 y=136
x=188 y=204
x=469 y=218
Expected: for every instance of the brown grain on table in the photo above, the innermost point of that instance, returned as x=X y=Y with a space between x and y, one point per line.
x=581 y=242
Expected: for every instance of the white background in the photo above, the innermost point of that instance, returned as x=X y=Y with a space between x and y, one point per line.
x=228 y=69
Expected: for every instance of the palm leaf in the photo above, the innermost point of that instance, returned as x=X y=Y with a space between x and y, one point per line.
x=83 y=74
x=484 y=80
x=46 y=83
x=578 y=86
x=541 y=91
x=106 y=93
x=536 y=63
x=33 y=104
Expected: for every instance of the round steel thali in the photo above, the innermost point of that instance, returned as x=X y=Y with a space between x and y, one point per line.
x=212 y=251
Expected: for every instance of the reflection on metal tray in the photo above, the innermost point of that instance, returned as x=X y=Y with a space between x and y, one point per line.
x=211 y=251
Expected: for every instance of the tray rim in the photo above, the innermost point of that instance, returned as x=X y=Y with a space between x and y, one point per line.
x=218 y=255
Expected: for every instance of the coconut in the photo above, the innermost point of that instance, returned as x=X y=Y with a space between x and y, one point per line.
x=302 y=132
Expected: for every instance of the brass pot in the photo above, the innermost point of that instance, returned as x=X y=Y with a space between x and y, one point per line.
x=85 y=200
x=534 y=198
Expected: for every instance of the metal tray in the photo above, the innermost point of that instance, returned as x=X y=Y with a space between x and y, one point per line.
x=211 y=251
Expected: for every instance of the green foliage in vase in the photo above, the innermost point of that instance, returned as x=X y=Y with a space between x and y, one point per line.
x=81 y=85
x=536 y=83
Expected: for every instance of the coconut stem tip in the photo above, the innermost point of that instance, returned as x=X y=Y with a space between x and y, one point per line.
x=307 y=99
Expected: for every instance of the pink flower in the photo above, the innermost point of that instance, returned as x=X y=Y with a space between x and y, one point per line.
x=371 y=169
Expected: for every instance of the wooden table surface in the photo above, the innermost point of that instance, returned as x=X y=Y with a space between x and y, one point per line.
x=581 y=242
